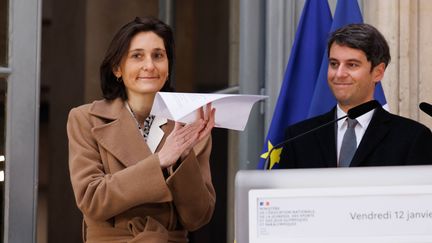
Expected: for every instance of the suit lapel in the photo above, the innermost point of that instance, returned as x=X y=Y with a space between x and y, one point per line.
x=327 y=140
x=376 y=131
x=119 y=134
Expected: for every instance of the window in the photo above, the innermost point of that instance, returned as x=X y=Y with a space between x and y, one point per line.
x=19 y=117
x=4 y=32
x=2 y=151
x=3 y=74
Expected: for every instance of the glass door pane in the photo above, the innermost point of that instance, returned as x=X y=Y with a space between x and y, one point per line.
x=19 y=121
x=4 y=10
x=2 y=150
x=4 y=38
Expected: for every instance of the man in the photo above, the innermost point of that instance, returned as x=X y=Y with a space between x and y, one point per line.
x=358 y=56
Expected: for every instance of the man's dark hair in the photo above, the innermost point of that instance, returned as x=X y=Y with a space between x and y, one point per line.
x=111 y=87
x=364 y=37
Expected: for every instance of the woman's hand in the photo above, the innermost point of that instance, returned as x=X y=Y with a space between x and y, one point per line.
x=184 y=137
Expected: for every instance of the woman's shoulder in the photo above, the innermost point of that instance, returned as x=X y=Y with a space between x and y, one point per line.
x=85 y=111
x=96 y=107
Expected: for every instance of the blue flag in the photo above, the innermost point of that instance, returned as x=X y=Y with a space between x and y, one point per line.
x=347 y=12
x=300 y=75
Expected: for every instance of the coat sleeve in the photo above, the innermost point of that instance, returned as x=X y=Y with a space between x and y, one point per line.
x=192 y=189
x=101 y=195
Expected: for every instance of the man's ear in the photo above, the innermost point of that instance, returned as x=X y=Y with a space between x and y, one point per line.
x=378 y=72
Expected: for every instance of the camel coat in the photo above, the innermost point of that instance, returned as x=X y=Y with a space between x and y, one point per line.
x=119 y=185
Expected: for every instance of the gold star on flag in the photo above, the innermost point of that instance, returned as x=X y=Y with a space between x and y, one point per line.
x=275 y=154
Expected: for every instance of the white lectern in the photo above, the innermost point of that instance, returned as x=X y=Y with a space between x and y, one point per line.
x=368 y=204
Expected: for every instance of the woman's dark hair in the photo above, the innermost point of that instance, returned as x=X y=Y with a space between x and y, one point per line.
x=364 y=37
x=111 y=87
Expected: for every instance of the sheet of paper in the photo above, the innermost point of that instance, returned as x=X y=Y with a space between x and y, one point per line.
x=232 y=110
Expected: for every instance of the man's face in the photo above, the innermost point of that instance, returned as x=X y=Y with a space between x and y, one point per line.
x=350 y=77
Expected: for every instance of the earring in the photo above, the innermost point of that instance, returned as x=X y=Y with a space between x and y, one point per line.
x=119 y=79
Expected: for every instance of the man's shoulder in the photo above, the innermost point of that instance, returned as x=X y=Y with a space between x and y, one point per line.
x=410 y=122
x=404 y=123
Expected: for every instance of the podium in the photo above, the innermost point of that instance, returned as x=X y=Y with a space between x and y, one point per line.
x=362 y=204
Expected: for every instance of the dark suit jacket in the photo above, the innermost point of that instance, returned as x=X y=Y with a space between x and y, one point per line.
x=389 y=140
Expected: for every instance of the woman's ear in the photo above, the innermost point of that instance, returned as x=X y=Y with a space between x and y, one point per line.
x=117 y=71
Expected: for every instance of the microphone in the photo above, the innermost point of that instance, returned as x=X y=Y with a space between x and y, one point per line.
x=426 y=108
x=352 y=113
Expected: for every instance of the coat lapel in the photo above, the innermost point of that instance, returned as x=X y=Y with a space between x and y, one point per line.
x=118 y=133
x=326 y=134
x=376 y=131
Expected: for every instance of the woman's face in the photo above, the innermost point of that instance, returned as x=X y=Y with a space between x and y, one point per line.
x=144 y=67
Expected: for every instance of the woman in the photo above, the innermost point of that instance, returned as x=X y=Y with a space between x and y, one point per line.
x=136 y=177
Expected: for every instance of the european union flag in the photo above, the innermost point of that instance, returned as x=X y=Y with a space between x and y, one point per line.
x=347 y=12
x=300 y=75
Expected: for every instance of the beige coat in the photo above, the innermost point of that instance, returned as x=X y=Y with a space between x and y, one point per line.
x=119 y=186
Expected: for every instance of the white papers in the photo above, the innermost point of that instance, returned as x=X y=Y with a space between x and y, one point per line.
x=232 y=110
